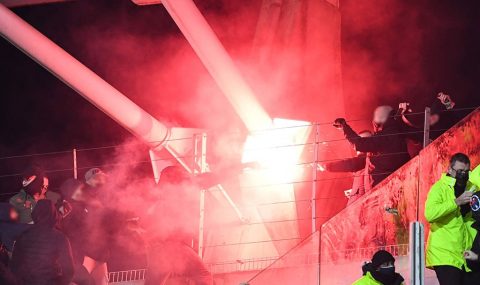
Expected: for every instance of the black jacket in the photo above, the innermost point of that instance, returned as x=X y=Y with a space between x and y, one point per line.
x=387 y=146
x=74 y=226
x=42 y=254
x=9 y=230
x=475 y=265
x=353 y=164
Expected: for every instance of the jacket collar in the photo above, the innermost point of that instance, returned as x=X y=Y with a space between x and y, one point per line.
x=450 y=181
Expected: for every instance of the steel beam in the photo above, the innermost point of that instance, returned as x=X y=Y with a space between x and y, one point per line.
x=81 y=79
x=218 y=63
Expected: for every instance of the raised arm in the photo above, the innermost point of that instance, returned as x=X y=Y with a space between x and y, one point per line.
x=346 y=165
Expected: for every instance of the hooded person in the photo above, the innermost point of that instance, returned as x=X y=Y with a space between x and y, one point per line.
x=42 y=254
x=380 y=271
x=387 y=146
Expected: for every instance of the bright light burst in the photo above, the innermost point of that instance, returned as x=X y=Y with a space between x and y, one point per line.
x=278 y=150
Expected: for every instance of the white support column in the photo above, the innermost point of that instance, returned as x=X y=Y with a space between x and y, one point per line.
x=80 y=78
x=200 y=160
x=219 y=64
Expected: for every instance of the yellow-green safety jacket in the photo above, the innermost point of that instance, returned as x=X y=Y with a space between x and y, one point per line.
x=367 y=279
x=450 y=233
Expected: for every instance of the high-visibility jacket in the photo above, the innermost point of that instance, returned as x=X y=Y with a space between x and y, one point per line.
x=450 y=232
x=474 y=176
x=367 y=279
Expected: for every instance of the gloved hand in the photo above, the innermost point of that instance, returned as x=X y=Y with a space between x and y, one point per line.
x=339 y=123
x=404 y=108
x=446 y=100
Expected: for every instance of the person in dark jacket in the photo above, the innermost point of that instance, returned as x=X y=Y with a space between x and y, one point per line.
x=171 y=227
x=42 y=254
x=359 y=166
x=74 y=225
x=387 y=144
x=10 y=229
x=442 y=117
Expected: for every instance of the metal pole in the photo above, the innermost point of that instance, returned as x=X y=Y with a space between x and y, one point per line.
x=203 y=169
x=314 y=178
x=80 y=78
x=417 y=253
x=75 y=167
x=426 y=128
x=219 y=64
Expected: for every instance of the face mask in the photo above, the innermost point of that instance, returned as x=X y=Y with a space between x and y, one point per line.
x=387 y=271
x=461 y=178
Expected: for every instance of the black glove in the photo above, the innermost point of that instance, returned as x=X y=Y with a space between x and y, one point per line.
x=340 y=123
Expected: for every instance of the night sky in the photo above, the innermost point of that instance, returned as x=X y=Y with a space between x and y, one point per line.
x=423 y=47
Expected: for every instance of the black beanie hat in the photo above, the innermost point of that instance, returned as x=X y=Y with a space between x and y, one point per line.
x=381 y=257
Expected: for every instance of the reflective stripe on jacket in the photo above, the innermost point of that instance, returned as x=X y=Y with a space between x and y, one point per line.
x=450 y=233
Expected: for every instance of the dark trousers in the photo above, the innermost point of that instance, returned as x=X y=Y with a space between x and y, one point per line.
x=450 y=275
x=82 y=277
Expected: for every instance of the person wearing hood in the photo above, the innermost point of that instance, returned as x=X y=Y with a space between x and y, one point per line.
x=42 y=254
x=387 y=145
x=380 y=271
x=74 y=226
x=447 y=209
x=10 y=229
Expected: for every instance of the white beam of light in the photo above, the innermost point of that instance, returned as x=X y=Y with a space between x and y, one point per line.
x=218 y=63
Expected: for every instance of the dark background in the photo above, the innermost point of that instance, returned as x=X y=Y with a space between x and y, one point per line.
x=391 y=51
